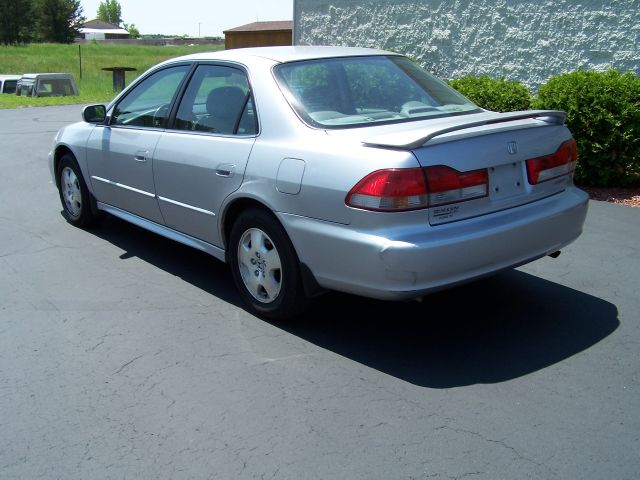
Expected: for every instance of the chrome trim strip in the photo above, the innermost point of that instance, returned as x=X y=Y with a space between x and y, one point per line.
x=126 y=187
x=166 y=232
x=184 y=205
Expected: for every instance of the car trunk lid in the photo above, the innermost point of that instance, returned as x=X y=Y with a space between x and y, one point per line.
x=499 y=143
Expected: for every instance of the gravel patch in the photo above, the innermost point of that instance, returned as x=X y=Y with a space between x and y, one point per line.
x=625 y=196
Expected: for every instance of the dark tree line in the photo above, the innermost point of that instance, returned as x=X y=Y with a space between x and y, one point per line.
x=23 y=21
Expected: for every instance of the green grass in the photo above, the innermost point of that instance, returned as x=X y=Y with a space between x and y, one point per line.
x=96 y=85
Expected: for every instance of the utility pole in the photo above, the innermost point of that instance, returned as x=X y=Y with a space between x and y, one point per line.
x=198 y=29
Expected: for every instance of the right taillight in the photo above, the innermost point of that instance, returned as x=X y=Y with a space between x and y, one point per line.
x=562 y=162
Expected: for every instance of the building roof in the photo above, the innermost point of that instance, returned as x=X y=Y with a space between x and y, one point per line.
x=263 y=26
x=100 y=25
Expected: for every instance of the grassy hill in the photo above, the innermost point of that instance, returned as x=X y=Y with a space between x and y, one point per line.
x=96 y=84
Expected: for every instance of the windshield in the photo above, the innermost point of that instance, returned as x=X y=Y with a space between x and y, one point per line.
x=358 y=91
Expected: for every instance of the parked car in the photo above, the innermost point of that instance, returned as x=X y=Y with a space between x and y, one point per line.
x=8 y=83
x=46 y=85
x=316 y=168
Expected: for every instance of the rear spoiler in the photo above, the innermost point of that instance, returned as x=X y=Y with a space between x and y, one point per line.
x=416 y=138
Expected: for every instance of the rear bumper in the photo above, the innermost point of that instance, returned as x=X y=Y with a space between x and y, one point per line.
x=407 y=262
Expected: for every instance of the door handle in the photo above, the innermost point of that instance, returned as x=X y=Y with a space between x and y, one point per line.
x=141 y=156
x=225 y=170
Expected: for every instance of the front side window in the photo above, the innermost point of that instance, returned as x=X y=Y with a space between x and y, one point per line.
x=358 y=91
x=217 y=100
x=147 y=105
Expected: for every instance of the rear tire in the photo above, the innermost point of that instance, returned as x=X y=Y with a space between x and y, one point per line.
x=265 y=266
x=74 y=195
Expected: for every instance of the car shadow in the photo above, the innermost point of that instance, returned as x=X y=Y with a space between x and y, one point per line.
x=191 y=265
x=489 y=331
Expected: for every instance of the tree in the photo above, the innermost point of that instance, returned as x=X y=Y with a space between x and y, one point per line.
x=16 y=21
x=132 y=29
x=59 y=20
x=110 y=11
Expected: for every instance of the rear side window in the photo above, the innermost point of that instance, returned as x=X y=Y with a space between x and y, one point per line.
x=147 y=105
x=217 y=100
x=358 y=91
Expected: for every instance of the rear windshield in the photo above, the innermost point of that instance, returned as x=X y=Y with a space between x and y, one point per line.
x=359 y=91
x=55 y=87
x=9 y=86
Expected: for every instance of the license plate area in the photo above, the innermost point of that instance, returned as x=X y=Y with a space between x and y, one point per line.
x=506 y=181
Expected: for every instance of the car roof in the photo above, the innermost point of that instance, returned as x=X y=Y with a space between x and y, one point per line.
x=284 y=54
x=10 y=77
x=46 y=75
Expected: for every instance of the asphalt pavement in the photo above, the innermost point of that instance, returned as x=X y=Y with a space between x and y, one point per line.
x=125 y=355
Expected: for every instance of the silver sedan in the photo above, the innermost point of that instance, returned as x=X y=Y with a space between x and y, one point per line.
x=317 y=168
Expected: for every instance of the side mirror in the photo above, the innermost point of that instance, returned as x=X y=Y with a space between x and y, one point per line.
x=94 y=114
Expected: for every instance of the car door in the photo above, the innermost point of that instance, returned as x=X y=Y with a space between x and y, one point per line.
x=120 y=154
x=201 y=159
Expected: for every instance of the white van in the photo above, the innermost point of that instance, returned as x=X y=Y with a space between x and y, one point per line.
x=8 y=83
x=46 y=85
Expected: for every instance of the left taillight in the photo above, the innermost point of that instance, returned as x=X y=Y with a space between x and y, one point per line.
x=562 y=162
x=394 y=190
x=390 y=190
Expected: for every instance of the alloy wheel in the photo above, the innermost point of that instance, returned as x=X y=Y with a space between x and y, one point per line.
x=260 y=265
x=71 y=192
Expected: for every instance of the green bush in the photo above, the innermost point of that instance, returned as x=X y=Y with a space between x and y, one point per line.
x=603 y=113
x=495 y=95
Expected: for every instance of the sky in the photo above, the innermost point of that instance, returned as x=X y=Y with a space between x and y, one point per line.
x=208 y=18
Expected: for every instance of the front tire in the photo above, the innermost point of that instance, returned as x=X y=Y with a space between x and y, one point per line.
x=265 y=266
x=74 y=194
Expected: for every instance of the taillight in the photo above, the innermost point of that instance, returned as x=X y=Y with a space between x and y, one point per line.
x=390 y=190
x=446 y=185
x=562 y=162
x=395 y=190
